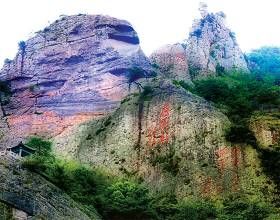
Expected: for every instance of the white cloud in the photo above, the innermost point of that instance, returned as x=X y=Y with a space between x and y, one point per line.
x=157 y=22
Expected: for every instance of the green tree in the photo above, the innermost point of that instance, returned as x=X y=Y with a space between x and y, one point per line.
x=126 y=200
x=42 y=147
x=265 y=60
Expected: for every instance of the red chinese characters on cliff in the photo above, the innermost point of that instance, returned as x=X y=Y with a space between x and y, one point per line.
x=229 y=158
x=228 y=161
x=160 y=133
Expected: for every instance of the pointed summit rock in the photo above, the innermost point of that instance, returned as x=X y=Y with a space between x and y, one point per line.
x=212 y=46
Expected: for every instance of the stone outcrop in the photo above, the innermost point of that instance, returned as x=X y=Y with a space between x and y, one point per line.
x=212 y=47
x=164 y=135
x=171 y=62
x=266 y=129
x=74 y=70
x=29 y=193
x=169 y=137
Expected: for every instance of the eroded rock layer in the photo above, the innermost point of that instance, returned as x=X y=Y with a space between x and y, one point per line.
x=74 y=70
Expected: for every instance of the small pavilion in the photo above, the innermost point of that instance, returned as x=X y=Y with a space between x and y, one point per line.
x=22 y=150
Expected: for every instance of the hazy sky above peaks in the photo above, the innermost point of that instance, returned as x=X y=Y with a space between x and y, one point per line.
x=158 y=22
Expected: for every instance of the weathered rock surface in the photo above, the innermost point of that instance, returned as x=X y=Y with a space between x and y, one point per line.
x=4 y=131
x=74 y=70
x=172 y=139
x=212 y=47
x=166 y=139
x=266 y=129
x=35 y=196
x=171 y=62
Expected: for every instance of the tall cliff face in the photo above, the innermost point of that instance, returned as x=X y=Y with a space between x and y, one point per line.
x=172 y=139
x=72 y=71
x=212 y=48
x=162 y=136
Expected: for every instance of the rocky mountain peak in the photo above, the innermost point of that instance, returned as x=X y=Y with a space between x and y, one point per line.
x=211 y=46
x=203 y=9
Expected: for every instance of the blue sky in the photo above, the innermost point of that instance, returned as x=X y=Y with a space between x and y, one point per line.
x=158 y=22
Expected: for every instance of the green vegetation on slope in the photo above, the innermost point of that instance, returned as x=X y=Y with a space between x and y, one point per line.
x=128 y=198
x=265 y=60
x=238 y=95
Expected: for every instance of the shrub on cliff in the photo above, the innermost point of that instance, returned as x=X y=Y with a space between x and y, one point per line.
x=42 y=147
x=22 y=46
x=7 y=61
x=146 y=93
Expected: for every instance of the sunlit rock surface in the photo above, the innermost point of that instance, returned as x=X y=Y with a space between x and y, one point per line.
x=212 y=47
x=74 y=70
